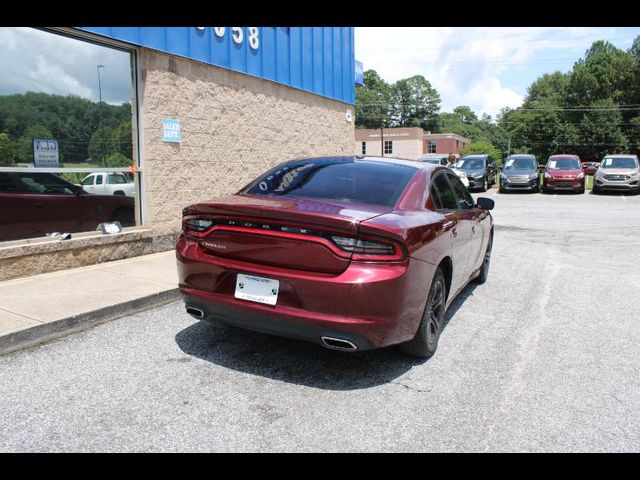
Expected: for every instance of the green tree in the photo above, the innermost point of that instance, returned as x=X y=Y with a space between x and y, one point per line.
x=483 y=147
x=101 y=144
x=465 y=114
x=372 y=101
x=24 y=145
x=414 y=102
x=6 y=154
x=605 y=73
x=122 y=139
x=117 y=160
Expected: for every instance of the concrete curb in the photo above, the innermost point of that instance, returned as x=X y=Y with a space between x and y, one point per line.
x=39 y=334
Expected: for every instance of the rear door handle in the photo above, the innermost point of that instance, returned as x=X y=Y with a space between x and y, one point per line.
x=38 y=204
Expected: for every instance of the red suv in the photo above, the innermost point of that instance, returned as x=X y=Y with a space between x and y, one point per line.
x=563 y=172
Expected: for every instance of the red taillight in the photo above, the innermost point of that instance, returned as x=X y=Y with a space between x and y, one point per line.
x=365 y=248
x=368 y=249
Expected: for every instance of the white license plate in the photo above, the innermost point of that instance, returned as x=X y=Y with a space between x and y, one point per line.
x=257 y=289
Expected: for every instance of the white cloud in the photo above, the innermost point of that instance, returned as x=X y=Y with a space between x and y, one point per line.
x=477 y=66
x=37 y=61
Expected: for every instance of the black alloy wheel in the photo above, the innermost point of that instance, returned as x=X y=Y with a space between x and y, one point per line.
x=425 y=342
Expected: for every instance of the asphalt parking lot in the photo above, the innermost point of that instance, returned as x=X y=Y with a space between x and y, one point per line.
x=543 y=357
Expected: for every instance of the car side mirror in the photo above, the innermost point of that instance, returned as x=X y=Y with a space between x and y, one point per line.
x=485 y=203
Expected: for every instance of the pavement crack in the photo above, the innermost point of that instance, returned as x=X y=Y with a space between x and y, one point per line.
x=409 y=387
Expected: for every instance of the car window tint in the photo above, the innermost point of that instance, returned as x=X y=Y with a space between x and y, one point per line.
x=445 y=193
x=45 y=183
x=435 y=198
x=98 y=179
x=6 y=184
x=464 y=201
x=116 y=178
x=341 y=179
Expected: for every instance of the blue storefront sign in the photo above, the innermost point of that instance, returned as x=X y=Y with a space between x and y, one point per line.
x=359 y=73
x=170 y=130
x=315 y=59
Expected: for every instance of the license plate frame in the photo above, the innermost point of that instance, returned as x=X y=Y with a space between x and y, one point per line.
x=257 y=289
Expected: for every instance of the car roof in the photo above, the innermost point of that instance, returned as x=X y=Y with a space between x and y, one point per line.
x=395 y=161
x=624 y=155
x=522 y=155
x=563 y=155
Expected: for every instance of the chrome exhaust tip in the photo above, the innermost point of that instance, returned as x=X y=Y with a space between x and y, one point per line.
x=339 y=344
x=195 y=312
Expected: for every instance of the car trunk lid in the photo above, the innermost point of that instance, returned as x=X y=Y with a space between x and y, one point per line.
x=287 y=232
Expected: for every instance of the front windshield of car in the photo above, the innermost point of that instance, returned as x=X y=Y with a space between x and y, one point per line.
x=619 y=162
x=563 y=164
x=521 y=163
x=470 y=163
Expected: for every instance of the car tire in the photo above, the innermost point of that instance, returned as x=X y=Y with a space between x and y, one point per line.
x=485 y=185
x=595 y=190
x=536 y=189
x=425 y=341
x=486 y=262
x=502 y=190
x=581 y=190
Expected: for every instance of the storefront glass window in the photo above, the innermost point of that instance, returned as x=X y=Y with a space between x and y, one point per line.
x=67 y=123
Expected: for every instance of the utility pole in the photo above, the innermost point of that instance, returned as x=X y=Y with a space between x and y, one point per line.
x=98 y=67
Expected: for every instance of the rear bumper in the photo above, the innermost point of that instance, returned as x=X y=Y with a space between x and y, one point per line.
x=370 y=305
x=281 y=323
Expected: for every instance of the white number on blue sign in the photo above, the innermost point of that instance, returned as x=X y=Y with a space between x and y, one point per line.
x=237 y=35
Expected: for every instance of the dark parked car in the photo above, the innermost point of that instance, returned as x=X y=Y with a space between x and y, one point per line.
x=563 y=172
x=33 y=204
x=347 y=252
x=480 y=170
x=589 y=168
x=520 y=172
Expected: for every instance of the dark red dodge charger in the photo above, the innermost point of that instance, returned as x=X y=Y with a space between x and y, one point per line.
x=351 y=253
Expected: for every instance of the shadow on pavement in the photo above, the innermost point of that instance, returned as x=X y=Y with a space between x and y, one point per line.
x=296 y=361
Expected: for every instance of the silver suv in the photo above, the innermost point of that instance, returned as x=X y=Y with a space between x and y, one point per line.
x=617 y=172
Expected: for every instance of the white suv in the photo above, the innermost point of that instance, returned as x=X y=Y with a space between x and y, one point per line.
x=617 y=172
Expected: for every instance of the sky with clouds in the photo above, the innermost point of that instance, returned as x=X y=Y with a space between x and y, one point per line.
x=37 y=61
x=486 y=68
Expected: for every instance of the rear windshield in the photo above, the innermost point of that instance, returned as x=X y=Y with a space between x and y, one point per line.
x=344 y=180
x=563 y=164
